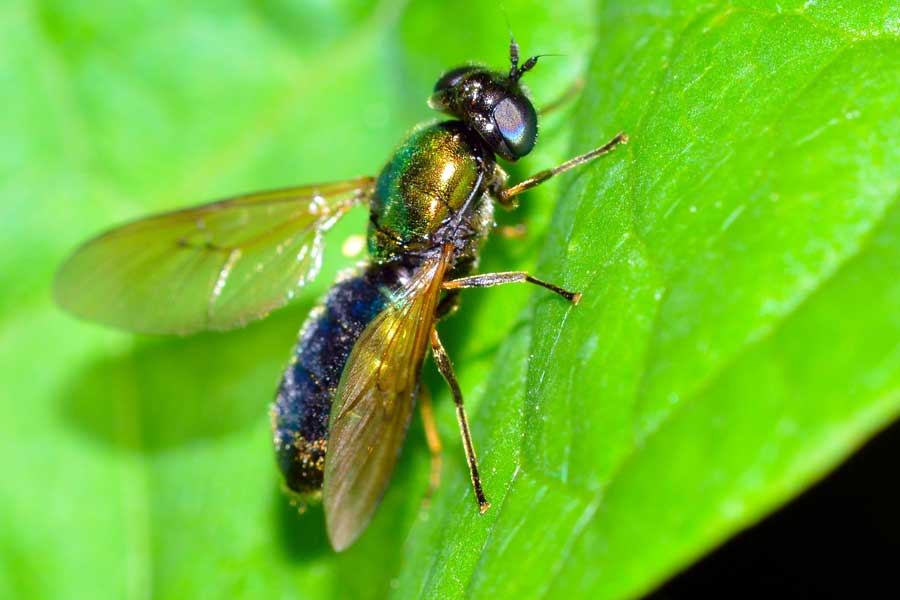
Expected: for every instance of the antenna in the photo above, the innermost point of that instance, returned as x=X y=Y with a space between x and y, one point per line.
x=515 y=71
x=513 y=46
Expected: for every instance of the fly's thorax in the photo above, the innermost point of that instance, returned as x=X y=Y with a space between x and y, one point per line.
x=469 y=236
x=427 y=181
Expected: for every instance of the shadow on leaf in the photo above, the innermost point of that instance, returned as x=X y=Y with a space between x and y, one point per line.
x=300 y=531
x=167 y=392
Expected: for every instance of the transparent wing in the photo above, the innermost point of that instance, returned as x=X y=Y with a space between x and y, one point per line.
x=374 y=402
x=215 y=266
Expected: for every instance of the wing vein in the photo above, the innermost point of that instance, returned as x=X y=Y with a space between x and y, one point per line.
x=221 y=280
x=211 y=267
x=374 y=401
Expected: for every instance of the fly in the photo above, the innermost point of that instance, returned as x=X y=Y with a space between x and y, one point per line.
x=346 y=399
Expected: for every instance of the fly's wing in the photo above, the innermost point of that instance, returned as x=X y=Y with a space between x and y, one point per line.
x=215 y=266
x=373 y=404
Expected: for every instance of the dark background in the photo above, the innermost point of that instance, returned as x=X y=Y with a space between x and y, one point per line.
x=838 y=539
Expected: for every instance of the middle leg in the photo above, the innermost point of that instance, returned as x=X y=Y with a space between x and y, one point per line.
x=492 y=279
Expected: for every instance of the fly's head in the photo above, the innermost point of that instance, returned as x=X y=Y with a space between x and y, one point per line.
x=492 y=103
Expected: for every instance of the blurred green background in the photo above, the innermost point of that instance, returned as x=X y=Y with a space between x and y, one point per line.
x=738 y=335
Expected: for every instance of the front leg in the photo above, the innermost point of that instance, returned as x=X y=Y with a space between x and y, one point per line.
x=506 y=195
x=569 y=94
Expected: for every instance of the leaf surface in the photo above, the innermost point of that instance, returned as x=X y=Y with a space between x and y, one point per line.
x=738 y=335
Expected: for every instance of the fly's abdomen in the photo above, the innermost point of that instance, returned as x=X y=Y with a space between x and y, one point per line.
x=301 y=409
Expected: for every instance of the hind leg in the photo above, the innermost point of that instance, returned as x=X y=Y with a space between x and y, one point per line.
x=446 y=368
x=434 y=442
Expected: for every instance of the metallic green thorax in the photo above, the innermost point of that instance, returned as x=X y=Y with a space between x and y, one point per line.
x=429 y=178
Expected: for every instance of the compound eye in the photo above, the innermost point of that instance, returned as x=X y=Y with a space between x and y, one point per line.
x=517 y=123
x=453 y=77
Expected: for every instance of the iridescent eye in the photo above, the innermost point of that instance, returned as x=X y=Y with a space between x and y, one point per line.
x=517 y=123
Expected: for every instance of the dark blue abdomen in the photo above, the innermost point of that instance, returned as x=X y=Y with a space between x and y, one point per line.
x=301 y=409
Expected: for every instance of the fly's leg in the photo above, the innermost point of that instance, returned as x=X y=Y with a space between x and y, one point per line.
x=434 y=442
x=448 y=305
x=512 y=232
x=506 y=196
x=567 y=96
x=492 y=279
x=446 y=369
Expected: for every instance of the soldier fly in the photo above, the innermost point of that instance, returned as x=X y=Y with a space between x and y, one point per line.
x=345 y=401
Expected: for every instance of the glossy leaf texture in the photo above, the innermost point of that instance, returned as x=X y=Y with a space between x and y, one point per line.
x=737 y=337
x=738 y=334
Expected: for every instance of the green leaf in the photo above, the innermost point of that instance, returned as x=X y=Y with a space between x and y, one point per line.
x=738 y=335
